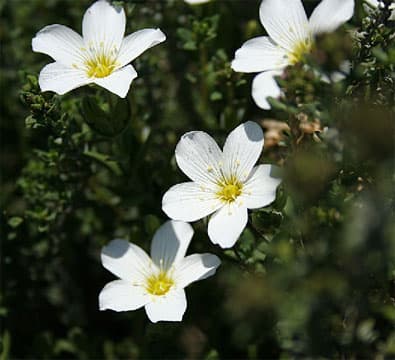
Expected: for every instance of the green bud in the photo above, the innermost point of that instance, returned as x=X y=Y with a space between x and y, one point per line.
x=107 y=123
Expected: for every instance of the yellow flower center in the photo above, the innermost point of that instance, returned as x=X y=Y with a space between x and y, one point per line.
x=229 y=190
x=100 y=66
x=300 y=51
x=159 y=284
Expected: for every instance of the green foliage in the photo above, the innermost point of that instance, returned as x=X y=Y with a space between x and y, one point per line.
x=313 y=274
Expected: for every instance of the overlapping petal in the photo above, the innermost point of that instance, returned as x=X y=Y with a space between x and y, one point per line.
x=169 y=307
x=59 y=42
x=195 y=267
x=330 y=14
x=189 y=202
x=259 y=54
x=135 y=44
x=170 y=243
x=260 y=189
x=120 y=295
x=242 y=149
x=119 y=81
x=264 y=86
x=199 y=157
x=61 y=79
x=103 y=25
x=127 y=261
x=285 y=21
x=226 y=225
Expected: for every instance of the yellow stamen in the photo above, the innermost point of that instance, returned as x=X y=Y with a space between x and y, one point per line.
x=230 y=189
x=100 y=66
x=159 y=284
x=300 y=51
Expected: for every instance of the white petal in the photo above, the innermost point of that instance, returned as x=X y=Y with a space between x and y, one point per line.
x=195 y=267
x=135 y=44
x=259 y=54
x=330 y=14
x=170 y=243
x=59 y=42
x=199 y=157
x=264 y=86
x=189 y=202
x=119 y=81
x=121 y=295
x=127 y=261
x=285 y=21
x=226 y=225
x=242 y=149
x=169 y=307
x=61 y=79
x=260 y=189
x=103 y=24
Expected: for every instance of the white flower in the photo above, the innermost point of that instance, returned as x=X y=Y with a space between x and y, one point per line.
x=376 y=4
x=158 y=282
x=225 y=183
x=101 y=56
x=196 y=2
x=291 y=36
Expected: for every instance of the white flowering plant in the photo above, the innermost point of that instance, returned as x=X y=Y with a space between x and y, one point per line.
x=233 y=200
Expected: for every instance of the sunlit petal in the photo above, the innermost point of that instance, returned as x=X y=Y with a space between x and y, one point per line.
x=135 y=44
x=170 y=243
x=127 y=261
x=285 y=21
x=330 y=14
x=119 y=81
x=189 y=202
x=260 y=189
x=61 y=79
x=226 y=225
x=199 y=157
x=61 y=43
x=242 y=149
x=121 y=295
x=264 y=86
x=195 y=267
x=169 y=307
x=103 y=25
x=259 y=54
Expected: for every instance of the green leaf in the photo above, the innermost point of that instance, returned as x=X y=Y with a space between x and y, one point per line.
x=107 y=123
x=212 y=355
x=215 y=96
x=104 y=160
x=5 y=346
x=15 y=221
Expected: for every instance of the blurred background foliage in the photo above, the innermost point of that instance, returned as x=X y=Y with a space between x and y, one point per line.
x=312 y=276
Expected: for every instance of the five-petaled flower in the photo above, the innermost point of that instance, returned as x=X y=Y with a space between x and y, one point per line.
x=158 y=282
x=101 y=56
x=225 y=183
x=291 y=37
